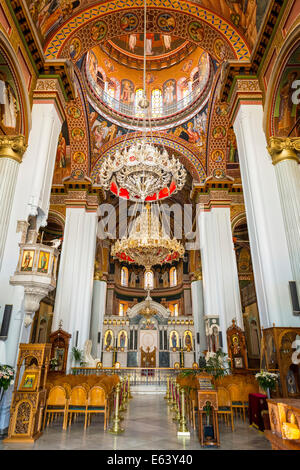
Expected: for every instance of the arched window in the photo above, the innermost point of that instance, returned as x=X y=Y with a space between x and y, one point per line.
x=176 y=310
x=156 y=102
x=173 y=277
x=124 y=276
x=121 y=310
x=149 y=280
x=139 y=94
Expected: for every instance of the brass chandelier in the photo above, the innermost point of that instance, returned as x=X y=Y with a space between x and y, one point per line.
x=147 y=244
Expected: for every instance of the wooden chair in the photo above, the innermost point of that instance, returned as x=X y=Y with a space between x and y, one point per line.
x=237 y=399
x=57 y=404
x=77 y=403
x=224 y=404
x=97 y=403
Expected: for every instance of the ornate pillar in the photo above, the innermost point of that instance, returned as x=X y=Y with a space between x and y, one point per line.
x=12 y=149
x=99 y=299
x=31 y=197
x=198 y=315
x=219 y=269
x=285 y=158
x=268 y=242
x=74 y=291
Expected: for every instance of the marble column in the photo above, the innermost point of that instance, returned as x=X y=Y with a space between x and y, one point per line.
x=198 y=316
x=97 y=316
x=268 y=242
x=12 y=149
x=31 y=197
x=285 y=158
x=75 y=279
x=219 y=269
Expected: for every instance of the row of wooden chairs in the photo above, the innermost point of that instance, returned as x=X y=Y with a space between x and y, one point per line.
x=233 y=392
x=71 y=396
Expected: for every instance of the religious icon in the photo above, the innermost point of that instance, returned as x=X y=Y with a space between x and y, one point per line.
x=108 y=339
x=61 y=152
x=27 y=260
x=79 y=157
x=196 y=31
x=287 y=109
x=166 y=22
x=99 y=30
x=74 y=112
x=127 y=91
x=75 y=48
x=169 y=91
x=28 y=381
x=132 y=42
x=174 y=339
x=129 y=22
x=43 y=262
x=8 y=103
x=217 y=156
x=77 y=134
x=188 y=340
x=219 y=49
x=122 y=339
x=219 y=132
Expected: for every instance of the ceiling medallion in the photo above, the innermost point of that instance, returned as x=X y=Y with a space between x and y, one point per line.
x=147 y=244
x=142 y=172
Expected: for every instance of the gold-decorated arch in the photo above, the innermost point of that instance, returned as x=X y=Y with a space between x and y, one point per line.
x=185 y=19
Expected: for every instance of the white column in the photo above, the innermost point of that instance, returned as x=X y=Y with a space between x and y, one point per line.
x=37 y=160
x=219 y=269
x=98 y=312
x=286 y=164
x=11 y=152
x=198 y=316
x=75 y=279
x=268 y=243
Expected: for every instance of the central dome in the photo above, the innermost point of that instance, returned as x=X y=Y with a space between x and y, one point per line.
x=178 y=80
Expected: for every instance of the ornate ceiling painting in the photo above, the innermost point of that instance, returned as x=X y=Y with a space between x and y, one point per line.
x=185 y=44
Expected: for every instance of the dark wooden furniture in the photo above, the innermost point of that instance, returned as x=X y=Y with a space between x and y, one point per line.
x=208 y=398
x=60 y=340
x=237 y=350
x=257 y=403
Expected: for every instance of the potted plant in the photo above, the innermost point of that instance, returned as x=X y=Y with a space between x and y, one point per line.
x=267 y=381
x=7 y=375
x=217 y=364
x=54 y=363
x=77 y=355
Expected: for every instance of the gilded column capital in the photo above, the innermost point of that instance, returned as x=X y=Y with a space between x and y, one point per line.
x=13 y=147
x=284 y=148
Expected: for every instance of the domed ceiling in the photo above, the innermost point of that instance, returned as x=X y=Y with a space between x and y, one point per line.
x=114 y=89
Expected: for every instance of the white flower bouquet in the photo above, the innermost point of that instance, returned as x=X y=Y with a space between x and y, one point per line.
x=267 y=380
x=7 y=375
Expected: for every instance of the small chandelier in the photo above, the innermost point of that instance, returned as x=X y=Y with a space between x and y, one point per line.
x=142 y=172
x=147 y=244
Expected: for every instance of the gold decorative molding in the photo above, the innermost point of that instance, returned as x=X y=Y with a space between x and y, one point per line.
x=13 y=147
x=284 y=148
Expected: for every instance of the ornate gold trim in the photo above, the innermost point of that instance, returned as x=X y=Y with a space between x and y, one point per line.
x=284 y=148
x=12 y=147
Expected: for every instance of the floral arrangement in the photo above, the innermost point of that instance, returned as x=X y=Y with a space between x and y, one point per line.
x=7 y=375
x=53 y=363
x=266 y=380
x=217 y=364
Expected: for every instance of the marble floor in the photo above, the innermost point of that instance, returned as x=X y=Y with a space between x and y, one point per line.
x=148 y=425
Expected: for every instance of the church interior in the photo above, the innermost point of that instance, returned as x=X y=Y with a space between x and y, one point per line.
x=150 y=224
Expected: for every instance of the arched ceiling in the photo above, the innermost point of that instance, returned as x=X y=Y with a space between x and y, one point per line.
x=183 y=19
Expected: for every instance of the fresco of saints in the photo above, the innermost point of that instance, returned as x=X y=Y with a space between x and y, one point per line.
x=192 y=133
x=285 y=119
x=169 y=92
x=8 y=114
x=61 y=152
x=127 y=91
x=132 y=42
x=167 y=42
x=149 y=40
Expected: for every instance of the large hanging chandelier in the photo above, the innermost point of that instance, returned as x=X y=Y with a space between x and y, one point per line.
x=148 y=243
x=141 y=171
